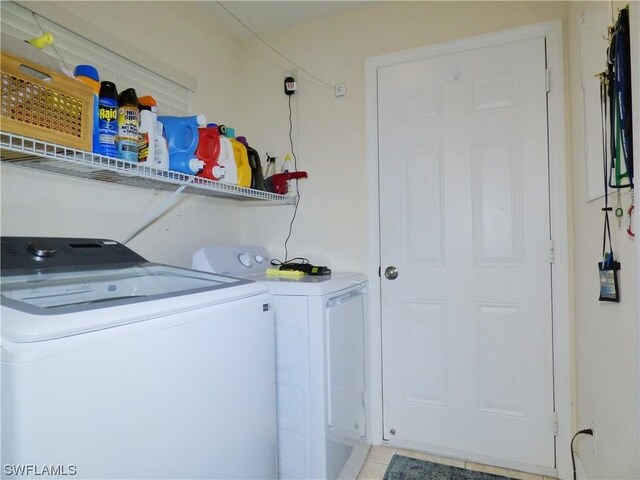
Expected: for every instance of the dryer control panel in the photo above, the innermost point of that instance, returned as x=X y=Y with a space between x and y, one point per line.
x=232 y=260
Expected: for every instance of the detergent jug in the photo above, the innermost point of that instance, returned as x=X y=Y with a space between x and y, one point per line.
x=222 y=129
x=242 y=163
x=184 y=162
x=182 y=132
x=208 y=151
x=257 y=180
x=182 y=139
x=227 y=161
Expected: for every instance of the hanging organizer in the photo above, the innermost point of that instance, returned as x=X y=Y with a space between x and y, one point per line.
x=617 y=146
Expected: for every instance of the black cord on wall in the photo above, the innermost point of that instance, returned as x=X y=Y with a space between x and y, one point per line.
x=295 y=167
x=586 y=431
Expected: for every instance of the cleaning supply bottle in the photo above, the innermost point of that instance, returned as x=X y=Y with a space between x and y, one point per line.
x=228 y=162
x=257 y=180
x=222 y=129
x=147 y=129
x=161 y=158
x=128 y=120
x=182 y=140
x=287 y=165
x=208 y=144
x=271 y=165
x=185 y=163
x=108 y=119
x=208 y=151
x=212 y=171
x=242 y=163
x=89 y=75
x=182 y=132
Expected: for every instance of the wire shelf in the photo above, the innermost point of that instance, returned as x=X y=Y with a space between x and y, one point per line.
x=50 y=157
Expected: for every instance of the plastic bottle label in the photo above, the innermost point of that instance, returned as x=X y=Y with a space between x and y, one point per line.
x=108 y=127
x=128 y=118
x=143 y=147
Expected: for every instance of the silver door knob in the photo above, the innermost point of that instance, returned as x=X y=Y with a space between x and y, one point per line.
x=391 y=273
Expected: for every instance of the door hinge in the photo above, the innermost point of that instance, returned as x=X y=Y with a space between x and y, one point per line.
x=555 y=424
x=551 y=251
x=547 y=80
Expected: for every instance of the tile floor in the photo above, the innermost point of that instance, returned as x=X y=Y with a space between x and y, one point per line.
x=379 y=457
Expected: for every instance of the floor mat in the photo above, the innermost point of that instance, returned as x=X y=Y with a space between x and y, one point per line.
x=405 y=468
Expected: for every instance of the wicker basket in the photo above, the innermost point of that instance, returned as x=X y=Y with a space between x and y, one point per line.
x=42 y=104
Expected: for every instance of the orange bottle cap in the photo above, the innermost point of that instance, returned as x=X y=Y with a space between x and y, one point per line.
x=147 y=101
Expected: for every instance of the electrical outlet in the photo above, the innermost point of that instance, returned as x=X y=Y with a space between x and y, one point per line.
x=594 y=440
x=341 y=89
x=290 y=83
x=290 y=86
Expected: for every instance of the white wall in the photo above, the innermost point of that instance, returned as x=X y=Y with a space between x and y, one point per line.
x=606 y=334
x=330 y=142
x=181 y=34
x=329 y=132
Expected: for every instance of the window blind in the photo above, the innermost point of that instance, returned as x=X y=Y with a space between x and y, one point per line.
x=172 y=98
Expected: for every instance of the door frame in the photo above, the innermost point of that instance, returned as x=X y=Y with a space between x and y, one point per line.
x=561 y=295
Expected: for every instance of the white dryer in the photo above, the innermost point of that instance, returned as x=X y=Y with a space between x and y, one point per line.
x=114 y=367
x=321 y=363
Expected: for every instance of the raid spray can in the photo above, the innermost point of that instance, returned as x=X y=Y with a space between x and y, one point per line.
x=128 y=121
x=108 y=119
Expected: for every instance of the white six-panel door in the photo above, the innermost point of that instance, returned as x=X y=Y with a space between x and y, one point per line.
x=464 y=217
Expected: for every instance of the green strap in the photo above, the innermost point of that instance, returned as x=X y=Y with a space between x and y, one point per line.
x=619 y=174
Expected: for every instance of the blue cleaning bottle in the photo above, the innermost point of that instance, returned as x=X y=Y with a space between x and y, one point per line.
x=182 y=139
x=108 y=119
x=89 y=75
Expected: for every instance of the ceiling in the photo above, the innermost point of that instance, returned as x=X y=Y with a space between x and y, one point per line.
x=265 y=16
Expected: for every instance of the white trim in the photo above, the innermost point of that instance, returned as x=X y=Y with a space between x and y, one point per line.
x=563 y=313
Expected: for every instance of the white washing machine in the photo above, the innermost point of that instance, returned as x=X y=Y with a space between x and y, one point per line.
x=320 y=363
x=114 y=367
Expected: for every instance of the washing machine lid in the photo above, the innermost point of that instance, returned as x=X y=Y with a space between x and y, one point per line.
x=45 y=276
x=59 y=287
x=49 y=293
